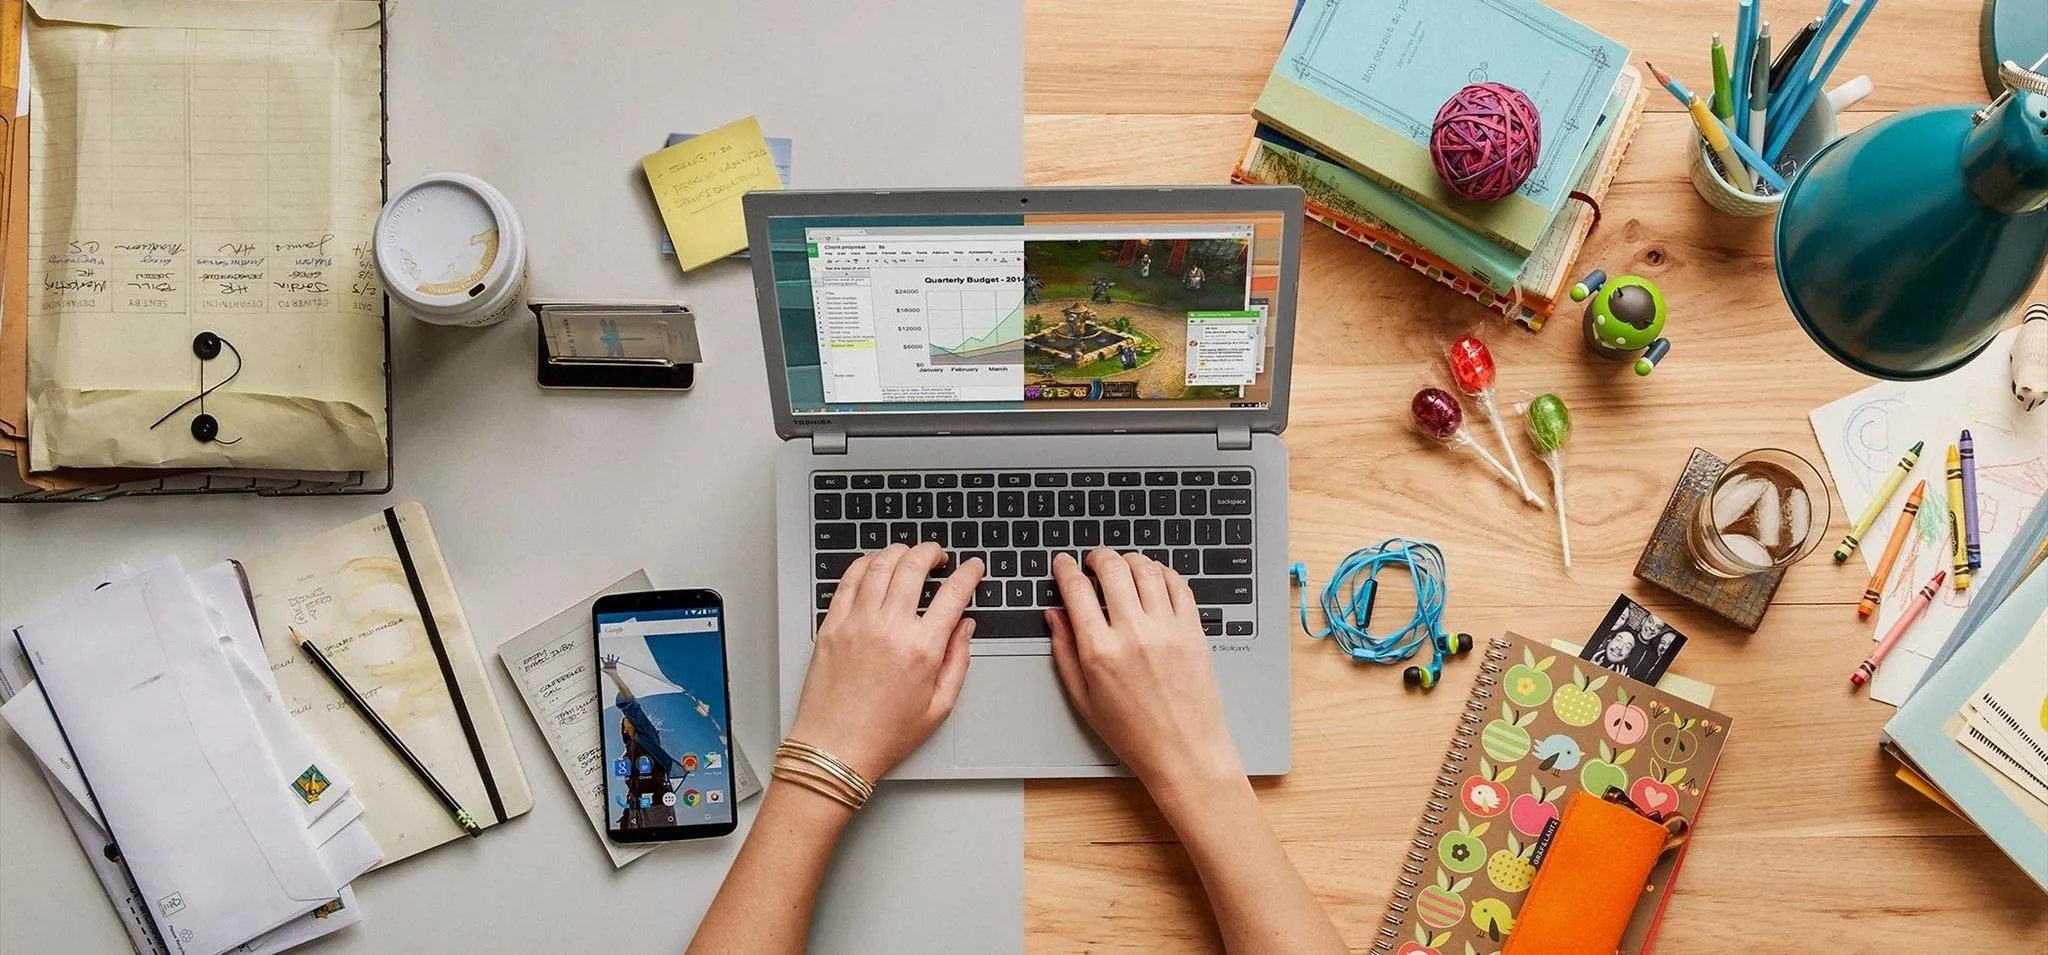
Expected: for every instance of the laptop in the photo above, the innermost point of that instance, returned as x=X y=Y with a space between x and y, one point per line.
x=1023 y=372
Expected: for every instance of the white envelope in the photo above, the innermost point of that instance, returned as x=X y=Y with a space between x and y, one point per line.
x=29 y=714
x=179 y=765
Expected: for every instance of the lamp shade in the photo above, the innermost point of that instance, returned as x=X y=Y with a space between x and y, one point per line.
x=1903 y=248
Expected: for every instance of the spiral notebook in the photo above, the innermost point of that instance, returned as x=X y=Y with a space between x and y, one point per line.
x=1539 y=723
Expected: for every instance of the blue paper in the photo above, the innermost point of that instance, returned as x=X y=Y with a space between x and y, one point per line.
x=778 y=147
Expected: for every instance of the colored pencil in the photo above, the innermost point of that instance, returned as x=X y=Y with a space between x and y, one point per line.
x=405 y=754
x=1817 y=85
x=1759 y=89
x=1781 y=68
x=1711 y=128
x=1724 y=89
x=1892 y=483
x=1746 y=14
x=1969 y=449
x=1914 y=611
x=1874 y=591
x=1955 y=518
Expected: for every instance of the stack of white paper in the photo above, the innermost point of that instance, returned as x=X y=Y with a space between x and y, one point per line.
x=217 y=823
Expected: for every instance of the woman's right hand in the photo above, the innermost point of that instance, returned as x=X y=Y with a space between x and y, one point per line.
x=1136 y=666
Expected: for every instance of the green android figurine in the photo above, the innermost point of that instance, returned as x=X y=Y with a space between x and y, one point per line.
x=1625 y=320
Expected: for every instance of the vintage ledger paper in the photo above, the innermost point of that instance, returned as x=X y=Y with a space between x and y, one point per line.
x=377 y=598
x=205 y=165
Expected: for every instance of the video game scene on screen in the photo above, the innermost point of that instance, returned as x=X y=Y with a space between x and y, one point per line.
x=1110 y=319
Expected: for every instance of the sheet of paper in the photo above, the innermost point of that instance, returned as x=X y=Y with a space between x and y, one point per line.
x=28 y=714
x=239 y=199
x=698 y=183
x=1864 y=435
x=552 y=666
x=179 y=767
x=347 y=591
x=2011 y=708
x=778 y=147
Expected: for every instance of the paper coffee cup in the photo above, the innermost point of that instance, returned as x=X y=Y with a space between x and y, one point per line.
x=451 y=251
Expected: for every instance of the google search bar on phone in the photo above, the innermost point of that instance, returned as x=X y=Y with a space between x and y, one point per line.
x=655 y=628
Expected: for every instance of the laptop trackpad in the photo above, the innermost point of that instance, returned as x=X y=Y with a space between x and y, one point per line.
x=1013 y=712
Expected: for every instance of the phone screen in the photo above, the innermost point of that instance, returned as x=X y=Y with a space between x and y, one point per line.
x=667 y=742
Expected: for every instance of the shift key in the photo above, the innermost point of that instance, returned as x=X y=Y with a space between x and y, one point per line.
x=1222 y=590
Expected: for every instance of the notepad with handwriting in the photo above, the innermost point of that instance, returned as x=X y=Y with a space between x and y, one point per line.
x=205 y=165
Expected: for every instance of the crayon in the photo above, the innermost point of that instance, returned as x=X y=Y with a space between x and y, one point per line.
x=1914 y=611
x=1883 y=497
x=1969 y=449
x=1955 y=518
x=1874 y=591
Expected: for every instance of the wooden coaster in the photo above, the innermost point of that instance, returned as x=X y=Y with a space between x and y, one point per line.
x=1667 y=563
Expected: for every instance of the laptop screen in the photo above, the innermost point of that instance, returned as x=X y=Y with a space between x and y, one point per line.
x=1037 y=312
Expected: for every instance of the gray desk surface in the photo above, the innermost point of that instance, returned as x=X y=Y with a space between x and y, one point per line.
x=541 y=498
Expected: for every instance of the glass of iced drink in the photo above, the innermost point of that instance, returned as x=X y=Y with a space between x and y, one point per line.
x=1767 y=510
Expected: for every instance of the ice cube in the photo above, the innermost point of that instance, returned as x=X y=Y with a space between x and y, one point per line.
x=1734 y=499
x=1798 y=516
x=1770 y=517
x=1747 y=550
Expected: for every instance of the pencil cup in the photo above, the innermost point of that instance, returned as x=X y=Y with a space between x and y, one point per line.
x=1816 y=130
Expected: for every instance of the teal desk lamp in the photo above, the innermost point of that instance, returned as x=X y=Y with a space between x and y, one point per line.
x=1903 y=248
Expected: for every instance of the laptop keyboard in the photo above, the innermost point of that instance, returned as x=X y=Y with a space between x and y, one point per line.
x=1199 y=522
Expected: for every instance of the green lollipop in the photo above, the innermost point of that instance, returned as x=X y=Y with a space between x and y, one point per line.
x=1550 y=425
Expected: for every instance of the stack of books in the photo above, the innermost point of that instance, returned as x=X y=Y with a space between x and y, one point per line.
x=1347 y=112
x=1974 y=735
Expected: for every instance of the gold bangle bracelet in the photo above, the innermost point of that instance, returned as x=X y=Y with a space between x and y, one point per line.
x=798 y=749
x=814 y=769
x=821 y=785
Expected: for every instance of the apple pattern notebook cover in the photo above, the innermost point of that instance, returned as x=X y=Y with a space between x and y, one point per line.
x=1540 y=723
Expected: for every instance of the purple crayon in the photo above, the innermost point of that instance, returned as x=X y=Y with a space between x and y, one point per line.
x=1973 y=548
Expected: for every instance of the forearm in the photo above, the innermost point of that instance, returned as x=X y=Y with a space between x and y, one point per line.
x=1261 y=903
x=766 y=901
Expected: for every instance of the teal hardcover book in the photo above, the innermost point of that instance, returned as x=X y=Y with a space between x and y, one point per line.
x=1362 y=80
x=1925 y=730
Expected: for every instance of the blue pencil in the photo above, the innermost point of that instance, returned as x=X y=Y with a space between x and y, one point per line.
x=1819 y=84
x=1748 y=156
x=1794 y=88
x=1745 y=42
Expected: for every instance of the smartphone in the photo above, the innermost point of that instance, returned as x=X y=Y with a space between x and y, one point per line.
x=667 y=730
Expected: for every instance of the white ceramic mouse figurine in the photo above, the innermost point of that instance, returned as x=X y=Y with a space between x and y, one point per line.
x=2030 y=359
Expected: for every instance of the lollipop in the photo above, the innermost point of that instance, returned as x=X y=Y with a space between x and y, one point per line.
x=1472 y=369
x=1550 y=424
x=1438 y=415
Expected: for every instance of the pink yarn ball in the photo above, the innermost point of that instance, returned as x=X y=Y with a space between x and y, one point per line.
x=1485 y=141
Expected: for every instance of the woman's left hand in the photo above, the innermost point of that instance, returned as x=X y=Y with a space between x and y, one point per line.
x=883 y=676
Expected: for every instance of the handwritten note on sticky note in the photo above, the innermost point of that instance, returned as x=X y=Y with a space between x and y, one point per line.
x=698 y=183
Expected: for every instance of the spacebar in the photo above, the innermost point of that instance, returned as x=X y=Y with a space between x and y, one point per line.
x=1009 y=623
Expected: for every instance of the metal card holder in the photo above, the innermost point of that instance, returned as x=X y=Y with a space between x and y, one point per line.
x=641 y=346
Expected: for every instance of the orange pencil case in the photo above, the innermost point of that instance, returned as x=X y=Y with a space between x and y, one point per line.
x=1591 y=876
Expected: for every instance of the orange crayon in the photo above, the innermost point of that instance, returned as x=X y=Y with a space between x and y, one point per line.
x=1873 y=592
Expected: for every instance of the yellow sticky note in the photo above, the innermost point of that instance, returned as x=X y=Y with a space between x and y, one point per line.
x=698 y=184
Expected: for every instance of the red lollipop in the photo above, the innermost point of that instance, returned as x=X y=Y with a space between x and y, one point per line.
x=1472 y=365
x=1437 y=413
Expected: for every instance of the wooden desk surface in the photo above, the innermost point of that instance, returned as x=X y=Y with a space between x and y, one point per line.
x=1807 y=842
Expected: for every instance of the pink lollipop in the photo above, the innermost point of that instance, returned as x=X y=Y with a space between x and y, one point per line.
x=1473 y=369
x=1438 y=415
